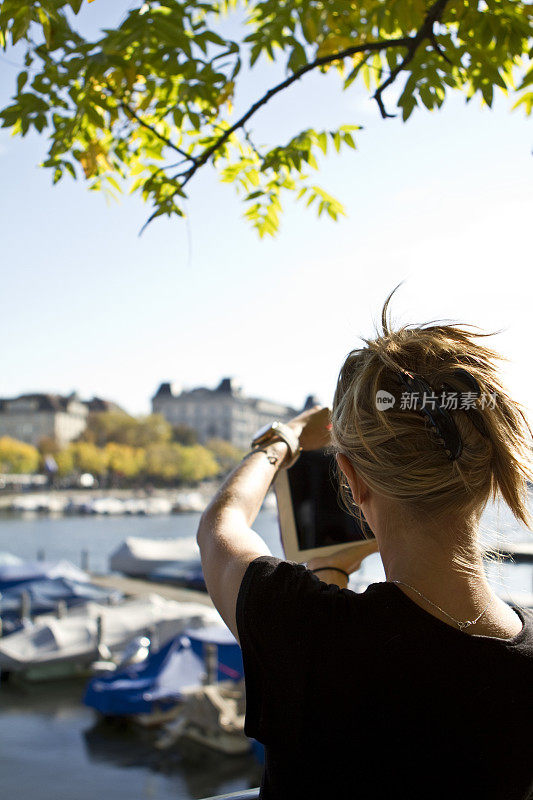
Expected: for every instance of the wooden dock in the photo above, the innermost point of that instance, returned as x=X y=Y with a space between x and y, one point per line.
x=137 y=587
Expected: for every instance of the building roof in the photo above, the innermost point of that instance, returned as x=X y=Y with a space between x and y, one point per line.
x=47 y=401
x=97 y=404
x=41 y=402
x=226 y=387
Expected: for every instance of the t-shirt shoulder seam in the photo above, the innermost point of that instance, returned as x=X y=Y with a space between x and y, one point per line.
x=244 y=587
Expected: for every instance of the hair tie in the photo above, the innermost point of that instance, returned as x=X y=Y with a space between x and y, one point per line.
x=334 y=569
x=473 y=387
x=440 y=420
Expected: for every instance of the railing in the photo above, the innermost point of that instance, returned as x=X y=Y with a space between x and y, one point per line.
x=248 y=794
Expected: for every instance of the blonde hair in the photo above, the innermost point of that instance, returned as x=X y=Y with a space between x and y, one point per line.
x=394 y=450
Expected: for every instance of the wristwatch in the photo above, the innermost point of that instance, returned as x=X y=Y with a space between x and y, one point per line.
x=277 y=430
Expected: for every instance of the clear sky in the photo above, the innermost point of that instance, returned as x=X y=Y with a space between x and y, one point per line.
x=442 y=203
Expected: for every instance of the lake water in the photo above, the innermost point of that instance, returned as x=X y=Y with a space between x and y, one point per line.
x=53 y=748
x=67 y=537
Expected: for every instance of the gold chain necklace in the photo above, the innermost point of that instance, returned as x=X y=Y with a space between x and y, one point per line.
x=461 y=625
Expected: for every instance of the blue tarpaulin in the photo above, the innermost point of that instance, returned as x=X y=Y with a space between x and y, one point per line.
x=45 y=594
x=157 y=683
x=13 y=574
x=181 y=573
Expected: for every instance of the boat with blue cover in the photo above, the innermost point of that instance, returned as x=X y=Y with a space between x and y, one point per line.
x=49 y=595
x=12 y=574
x=187 y=574
x=155 y=686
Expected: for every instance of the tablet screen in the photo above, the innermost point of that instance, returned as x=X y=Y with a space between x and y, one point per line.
x=319 y=515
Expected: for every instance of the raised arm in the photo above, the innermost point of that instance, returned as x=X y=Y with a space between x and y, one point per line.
x=226 y=540
x=225 y=537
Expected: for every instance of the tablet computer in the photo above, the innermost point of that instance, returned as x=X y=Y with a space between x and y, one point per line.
x=313 y=521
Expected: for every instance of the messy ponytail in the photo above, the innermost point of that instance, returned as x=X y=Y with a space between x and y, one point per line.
x=395 y=451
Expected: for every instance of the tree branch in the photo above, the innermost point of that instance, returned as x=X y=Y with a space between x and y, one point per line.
x=156 y=133
x=410 y=42
x=425 y=32
x=319 y=62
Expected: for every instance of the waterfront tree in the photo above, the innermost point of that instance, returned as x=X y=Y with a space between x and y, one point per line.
x=18 y=457
x=227 y=455
x=148 y=104
x=118 y=426
x=124 y=462
x=197 y=463
x=182 y=463
x=48 y=446
x=163 y=461
x=65 y=462
x=87 y=457
x=184 y=434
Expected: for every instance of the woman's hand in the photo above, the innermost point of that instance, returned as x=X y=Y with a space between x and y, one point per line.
x=349 y=560
x=312 y=428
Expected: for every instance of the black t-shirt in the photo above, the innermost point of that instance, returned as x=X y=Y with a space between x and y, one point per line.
x=369 y=696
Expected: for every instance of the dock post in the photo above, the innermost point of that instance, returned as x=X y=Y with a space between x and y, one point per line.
x=104 y=653
x=153 y=635
x=25 y=606
x=99 y=631
x=85 y=560
x=61 y=609
x=211 y=662
x=41 y=555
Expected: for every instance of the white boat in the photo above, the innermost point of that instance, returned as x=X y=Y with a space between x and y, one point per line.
x=46 y=503
x=53 y=647
x=108 y=506
x=189 y=501
x=9 y=560
x=158 y=505
x=137 y=556
x=18 y=571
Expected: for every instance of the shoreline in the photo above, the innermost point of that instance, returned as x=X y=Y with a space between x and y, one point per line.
x=111 y=501
x=79 y=494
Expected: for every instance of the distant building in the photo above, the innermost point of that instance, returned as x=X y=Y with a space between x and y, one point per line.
x=221 y=413
x=97 y=405
x=32 y=417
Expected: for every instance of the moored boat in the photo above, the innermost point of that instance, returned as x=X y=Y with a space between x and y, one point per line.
x=52 y=647
x=30 y=599
x=139 y=557
x=150 y=692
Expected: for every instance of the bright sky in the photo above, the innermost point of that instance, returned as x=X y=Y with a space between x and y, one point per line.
x=442 y=203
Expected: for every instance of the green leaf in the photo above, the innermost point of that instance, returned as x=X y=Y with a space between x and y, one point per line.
x=22 y=78
x=70 y=168
x=114 y=183
x=195 y=120
x=21 y=24
x=47 y=26
x=322 y=141
x=527 y=101
x=348 y=138
x=298 y=58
